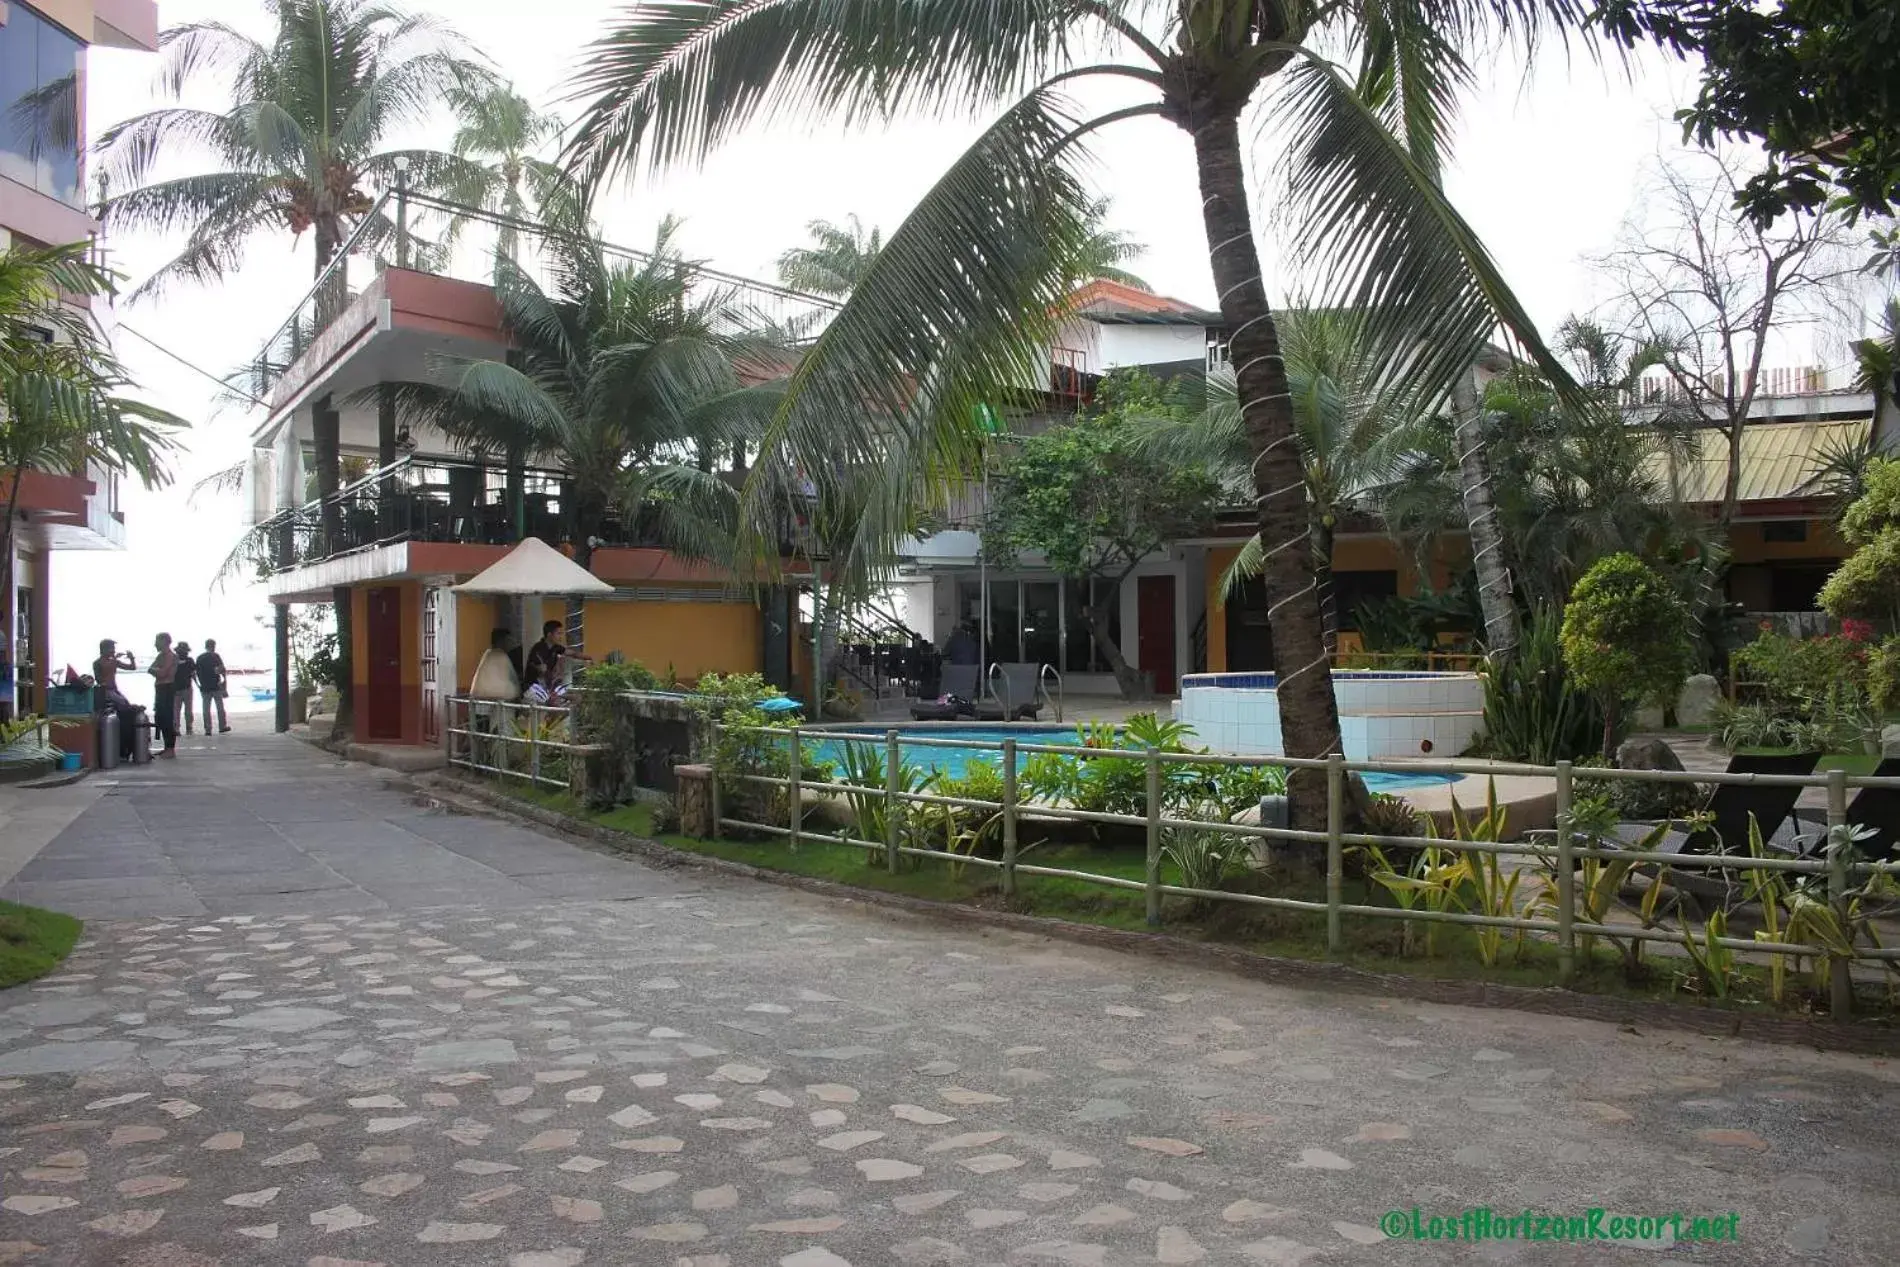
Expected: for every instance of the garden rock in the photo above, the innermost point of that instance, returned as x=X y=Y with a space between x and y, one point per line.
x=1650 y=717
x=1890 y=741
x=1697 y=702
x=1650 y=800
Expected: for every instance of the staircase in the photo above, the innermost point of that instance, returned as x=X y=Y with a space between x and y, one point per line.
x=883 y=657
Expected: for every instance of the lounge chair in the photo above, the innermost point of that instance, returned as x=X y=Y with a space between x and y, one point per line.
x=1731 y=806
x=960 y=682
x=1877 y=808
x=1019 y=689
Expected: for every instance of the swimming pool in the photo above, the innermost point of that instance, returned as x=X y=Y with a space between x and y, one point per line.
x=954 y=762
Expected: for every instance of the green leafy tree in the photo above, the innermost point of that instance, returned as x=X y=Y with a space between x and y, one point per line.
x=1867 y=583
x=1811 y=80
x=63 y=401
x=962 y=300
x=837 y=258
x=300 y=149
x=1627 y=637
x=1095 y=502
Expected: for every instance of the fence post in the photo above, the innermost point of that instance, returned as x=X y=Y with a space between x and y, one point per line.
x=1009 y=818
x=712 y=783
x=1840 y=978
x=534 y=745
x=794 y=793
x=893 y=807
x=1566 y=878
x=1335 y=848
x=1154 y=838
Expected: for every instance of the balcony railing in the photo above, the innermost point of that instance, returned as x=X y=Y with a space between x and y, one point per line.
x=432 y=499
x=432 y=235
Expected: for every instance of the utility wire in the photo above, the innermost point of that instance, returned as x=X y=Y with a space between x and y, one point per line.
x=195 y=368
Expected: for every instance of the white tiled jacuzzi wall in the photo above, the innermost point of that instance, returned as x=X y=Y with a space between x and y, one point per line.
x=1380 y=718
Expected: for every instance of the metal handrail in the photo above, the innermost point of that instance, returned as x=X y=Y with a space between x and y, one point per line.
x=1049 y=671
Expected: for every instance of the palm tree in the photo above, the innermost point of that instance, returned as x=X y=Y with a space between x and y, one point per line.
x=503 y=139
x=300 y=149
x=623 y=372
x=1105 y=250
x=960 y=299
x=62 y=398
x=1353 y=437
x=839 y=255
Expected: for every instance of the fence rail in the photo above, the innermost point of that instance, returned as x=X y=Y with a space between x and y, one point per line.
x=520 y=741
x=1560 y=851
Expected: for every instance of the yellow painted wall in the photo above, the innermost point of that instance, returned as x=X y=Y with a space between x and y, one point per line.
x=474 y=621
x=693 y=638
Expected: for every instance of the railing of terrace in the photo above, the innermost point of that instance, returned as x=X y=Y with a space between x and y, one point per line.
x=447 y=239
x=1831 y=873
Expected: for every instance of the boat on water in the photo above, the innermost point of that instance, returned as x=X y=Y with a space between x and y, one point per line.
x=262 y=694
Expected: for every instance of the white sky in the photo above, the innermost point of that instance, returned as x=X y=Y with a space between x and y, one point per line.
x=1546 y=173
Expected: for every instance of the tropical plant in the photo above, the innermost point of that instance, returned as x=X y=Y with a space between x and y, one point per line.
x=62 y=391
x=1747 y=725
x=1625 y=638
x=503 y=141
x=963 y=298
x=1533 y=711
x=599 y=717
x=1207 y=858
x=1599 y=883
x=1428 y=881
x=628 y=374
x=1353 y=434
x=866 y=794
x=839 y=255
x=300 y=149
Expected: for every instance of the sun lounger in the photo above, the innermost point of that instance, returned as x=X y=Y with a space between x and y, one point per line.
x=1732 y=806
x=1019 y=687
x=1874 y=808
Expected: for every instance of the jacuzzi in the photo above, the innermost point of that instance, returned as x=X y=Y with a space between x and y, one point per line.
x=1381 y=714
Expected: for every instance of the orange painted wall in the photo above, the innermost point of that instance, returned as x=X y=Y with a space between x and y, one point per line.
x=474 y=621
x=409 y=658
x=693 y=638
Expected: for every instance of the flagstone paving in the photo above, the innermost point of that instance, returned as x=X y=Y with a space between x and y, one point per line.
x=691 y=1070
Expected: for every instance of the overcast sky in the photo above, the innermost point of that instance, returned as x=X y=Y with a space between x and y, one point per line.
x=1545 y=167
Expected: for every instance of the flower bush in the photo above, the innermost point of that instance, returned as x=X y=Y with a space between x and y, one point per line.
x=1816 y=691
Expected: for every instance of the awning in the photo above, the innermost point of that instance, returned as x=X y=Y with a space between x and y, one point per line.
x=535 y=568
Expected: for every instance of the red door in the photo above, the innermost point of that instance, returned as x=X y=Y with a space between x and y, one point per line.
x=1154 y=629
x=384 y=706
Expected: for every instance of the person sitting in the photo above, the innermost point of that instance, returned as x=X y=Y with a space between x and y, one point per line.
x=105 y=670
x=538 y=691
x=495 y=677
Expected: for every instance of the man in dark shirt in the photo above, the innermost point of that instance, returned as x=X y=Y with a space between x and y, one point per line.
x=548 y=654
x=211 y=684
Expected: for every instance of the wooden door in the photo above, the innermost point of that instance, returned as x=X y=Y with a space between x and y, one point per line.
x=384 y=706
x=1154 y=625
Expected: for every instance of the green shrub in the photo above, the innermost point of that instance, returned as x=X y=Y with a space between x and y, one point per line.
x=1803 y=679
x=1533 y=712
x=597 y=717
x=1206 y=857
x=1627 y=638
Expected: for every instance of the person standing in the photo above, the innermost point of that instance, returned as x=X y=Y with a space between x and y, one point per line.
x=164 y=672
x=211 y=685
x=182 y=679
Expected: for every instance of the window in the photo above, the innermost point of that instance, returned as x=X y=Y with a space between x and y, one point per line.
x=39 y=104
x=1785 y=530
x=1081 y=655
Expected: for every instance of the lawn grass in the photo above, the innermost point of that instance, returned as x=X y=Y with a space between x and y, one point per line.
x=33 y=942
x=1858 y=764
x=1370 y=943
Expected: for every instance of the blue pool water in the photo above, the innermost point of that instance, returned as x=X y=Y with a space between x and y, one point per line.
x=953 y=762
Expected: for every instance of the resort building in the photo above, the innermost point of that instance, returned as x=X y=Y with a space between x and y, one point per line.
x=43 y=47
x=424 y=512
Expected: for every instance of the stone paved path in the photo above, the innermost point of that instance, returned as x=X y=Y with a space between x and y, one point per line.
x=435 y=1039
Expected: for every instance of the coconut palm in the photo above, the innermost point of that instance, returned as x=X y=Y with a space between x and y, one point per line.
x=300 y=149
x=839 y=255
x=960 y=300
x=623 y=373
x=1353 y=437
x=1105 y=250
x=504 y=141
x=62 y=391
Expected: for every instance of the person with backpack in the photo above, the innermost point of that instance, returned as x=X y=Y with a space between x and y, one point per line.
x=211 y=685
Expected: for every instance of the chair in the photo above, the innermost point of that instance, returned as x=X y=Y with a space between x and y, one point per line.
x=1731 y=806
x=1021 y=694
x=960 y=681
x=1872 y=807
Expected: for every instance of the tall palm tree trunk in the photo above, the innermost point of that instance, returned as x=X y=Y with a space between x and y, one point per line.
x=1309 y=713
x=1322 y=536
x=1495 y=600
